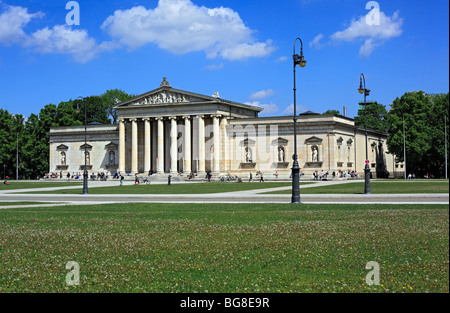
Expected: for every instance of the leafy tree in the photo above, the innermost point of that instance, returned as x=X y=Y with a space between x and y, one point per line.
x=332 y=112
x=376 y=116
x=6 y=140
x=424 y=131
x=34 y=149
x=11 y=140
x=439 y=112
x=110 y=99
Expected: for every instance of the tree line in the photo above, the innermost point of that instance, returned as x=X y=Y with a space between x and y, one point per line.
x=417 y=119
x=29 y=137
x=422 y=115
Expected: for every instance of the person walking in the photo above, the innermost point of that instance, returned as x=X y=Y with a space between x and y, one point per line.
x=261 y=177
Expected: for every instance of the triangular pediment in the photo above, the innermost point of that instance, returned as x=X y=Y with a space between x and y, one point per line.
x=166 y=96
x=86 y=146
x=280 y=142
x=62 y=147
x=112 y=146
x=247 y=142
x=313 y=140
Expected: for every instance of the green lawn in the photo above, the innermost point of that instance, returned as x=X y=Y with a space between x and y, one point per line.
x=187 y=188
x=25 y=185
x=395 y=187
x=225 y=248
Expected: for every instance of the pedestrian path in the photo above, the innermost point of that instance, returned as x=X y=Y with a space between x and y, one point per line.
x=248 y=196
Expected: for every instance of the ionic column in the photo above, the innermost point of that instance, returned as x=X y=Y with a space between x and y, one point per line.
x=216 y=130
x=122 y=146
x=173 y=145
x=201 y=144
x=187 y=144
x=160 y=165
x=134 y=146
x=147 y=153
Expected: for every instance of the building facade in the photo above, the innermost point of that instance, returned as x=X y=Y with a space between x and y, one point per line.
x=171 y=131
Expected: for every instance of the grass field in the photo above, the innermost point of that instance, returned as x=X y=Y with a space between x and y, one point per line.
x=385 y=187
x=229 y=248
x=185 y=188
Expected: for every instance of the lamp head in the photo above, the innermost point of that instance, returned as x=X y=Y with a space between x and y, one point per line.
x=299 y=60
x=78 y=104
x=361 y=88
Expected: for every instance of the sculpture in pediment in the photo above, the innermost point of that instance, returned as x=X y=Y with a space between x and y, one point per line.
x=163 y=98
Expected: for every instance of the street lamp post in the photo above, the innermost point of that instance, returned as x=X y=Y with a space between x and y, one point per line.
x=362 y=90
x=85 y=174
x=298 y=60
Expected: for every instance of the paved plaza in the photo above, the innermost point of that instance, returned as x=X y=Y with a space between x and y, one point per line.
x=248 y=196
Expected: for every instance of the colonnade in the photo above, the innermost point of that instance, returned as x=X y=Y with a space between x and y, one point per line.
x=188 y=141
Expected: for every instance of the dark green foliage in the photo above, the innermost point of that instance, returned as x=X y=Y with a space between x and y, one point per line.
x=376 y=117
x=424 y=116
x=332 y=112
x=32 y=134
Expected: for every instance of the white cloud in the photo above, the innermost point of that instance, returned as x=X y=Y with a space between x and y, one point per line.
x=367 y=48
x=214 y=67
x=262 y=94
x=177 y=26
x=281 y=59
x=269 y=108
x=290 y=109
x=62 y=39
x=181 y=27
x=315 y=43
x=12 y=22
x=374 y=35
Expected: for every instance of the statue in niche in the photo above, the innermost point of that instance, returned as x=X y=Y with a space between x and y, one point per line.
x=248 y=155
x=63 y=158
x=281 y=157
x=349 y=153
x=315 y=154
x=88 y=158
x=112 y=158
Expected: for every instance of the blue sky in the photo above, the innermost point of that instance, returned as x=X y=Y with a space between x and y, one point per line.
x=242 y=49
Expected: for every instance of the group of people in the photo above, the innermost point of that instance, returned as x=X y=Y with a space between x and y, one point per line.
x=259 y=175
x=323 y=175
x=100 y=176
x=345 y=174
x=54 y=175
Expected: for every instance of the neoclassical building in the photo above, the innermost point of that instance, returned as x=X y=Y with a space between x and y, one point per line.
x=171 y=131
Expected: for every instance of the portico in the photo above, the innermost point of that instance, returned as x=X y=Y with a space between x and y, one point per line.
x=168 y=131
